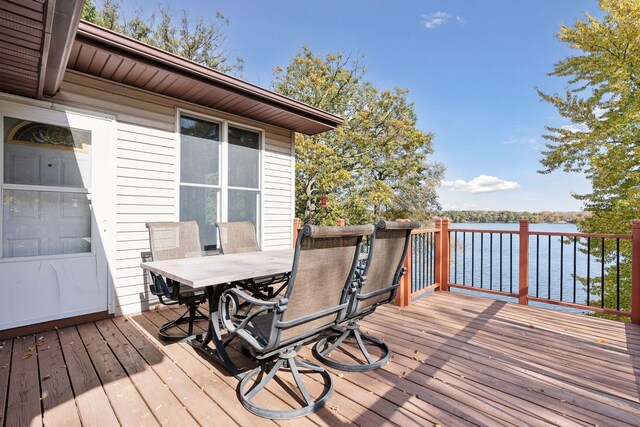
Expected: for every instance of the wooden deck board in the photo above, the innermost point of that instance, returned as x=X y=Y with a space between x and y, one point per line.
x=57 y=395
x=6 y=347
x=457 y=360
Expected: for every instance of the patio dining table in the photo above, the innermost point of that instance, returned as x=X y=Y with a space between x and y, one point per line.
x=215 y=274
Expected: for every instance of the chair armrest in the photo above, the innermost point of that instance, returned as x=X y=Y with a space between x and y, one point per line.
x=229 y=303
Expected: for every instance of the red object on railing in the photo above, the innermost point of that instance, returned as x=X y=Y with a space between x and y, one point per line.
x=523 y=288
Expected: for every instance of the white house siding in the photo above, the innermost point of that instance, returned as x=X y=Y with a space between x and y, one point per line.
x=146 y=153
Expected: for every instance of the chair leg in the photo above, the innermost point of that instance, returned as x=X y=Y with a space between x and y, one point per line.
x=248 y=388
x=352 y=335
x=189 y=317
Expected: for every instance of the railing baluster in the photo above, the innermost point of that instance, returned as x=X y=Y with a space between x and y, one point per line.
x=511 y=263
x=537 y=265
x=561 y=264
x=491 y=261
x=588 y=270
x=500 y=262
x=549 y=272
x=575 y=253
x=464 y=257
x=473 y=256
x=481 y=257
x=455 y=256
x=617 y=273
x=602 y=276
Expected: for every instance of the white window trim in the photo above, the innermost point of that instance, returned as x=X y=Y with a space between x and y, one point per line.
x=223 y=184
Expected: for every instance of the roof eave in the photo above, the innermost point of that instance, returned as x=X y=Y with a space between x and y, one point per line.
x=150 y=55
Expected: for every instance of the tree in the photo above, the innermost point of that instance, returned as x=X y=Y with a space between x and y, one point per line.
x=602 y=102
x=373 y=166
x=201 y=41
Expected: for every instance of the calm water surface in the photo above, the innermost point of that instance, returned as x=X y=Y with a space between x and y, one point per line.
x=478 y=261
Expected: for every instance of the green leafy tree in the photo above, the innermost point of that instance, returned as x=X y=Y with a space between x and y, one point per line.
x=202 y=41
x=373 y=166
x=602 y=102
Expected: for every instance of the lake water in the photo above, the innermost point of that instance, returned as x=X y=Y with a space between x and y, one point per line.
x=479 y=261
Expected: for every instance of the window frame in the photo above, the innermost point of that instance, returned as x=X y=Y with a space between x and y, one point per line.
x=223 y=182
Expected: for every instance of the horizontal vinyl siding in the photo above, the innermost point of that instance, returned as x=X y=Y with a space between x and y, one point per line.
x=146 y=175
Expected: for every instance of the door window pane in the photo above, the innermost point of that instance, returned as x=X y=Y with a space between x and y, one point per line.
x=244 y=158
x=200 y=204
x=200 y=151
x=38 y=223
x=243 y=206
x=41 y=154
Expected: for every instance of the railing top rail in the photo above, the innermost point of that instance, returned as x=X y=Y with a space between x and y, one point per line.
x=595 y=235
x=473 y=230
x=425 y=231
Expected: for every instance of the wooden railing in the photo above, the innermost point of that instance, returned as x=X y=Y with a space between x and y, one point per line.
x=573 y=270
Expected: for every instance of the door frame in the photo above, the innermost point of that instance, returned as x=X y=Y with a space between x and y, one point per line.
x=102 y=188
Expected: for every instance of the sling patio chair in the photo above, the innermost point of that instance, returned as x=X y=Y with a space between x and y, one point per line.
x=323 y=268
x=377 y=283
x=175 y=240
x=238 y=237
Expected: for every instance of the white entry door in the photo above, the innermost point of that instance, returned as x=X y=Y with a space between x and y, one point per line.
x=56 y=193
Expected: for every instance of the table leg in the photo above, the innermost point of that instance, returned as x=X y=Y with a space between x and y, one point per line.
x=214 y=333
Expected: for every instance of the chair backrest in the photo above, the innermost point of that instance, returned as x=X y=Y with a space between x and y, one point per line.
x=384 y=264
x=174 y=240
x=324 y=263
x=237 y=237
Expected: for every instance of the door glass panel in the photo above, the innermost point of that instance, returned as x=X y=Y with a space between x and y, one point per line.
x=200 y=204
x=36 y=223
x=48 y=155
x=200 y=151
x=244 y=158
x=243 y=206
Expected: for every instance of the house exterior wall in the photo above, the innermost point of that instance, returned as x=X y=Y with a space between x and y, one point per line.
x=146 y=181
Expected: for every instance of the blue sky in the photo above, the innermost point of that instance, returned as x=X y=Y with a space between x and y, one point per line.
x=471 y=67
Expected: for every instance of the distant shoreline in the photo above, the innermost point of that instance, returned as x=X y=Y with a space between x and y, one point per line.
x=509 y=217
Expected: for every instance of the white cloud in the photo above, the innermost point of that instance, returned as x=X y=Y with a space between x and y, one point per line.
x=576 y=128
x=534 y=143
x=435 y=19
x=599 y=112
x=481 y=184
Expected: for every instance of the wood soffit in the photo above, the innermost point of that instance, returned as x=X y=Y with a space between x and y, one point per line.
x=35 y=42
x=112 y=56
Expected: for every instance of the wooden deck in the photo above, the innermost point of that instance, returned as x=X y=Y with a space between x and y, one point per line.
x=458 y=360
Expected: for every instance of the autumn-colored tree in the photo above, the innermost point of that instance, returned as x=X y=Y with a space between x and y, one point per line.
x=602 y=102
x=203 y=42
x=373 y=166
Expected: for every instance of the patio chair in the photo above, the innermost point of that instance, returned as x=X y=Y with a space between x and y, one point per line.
x=377 y=283
x=239 y=237
x=175 y=240
x=323 y=267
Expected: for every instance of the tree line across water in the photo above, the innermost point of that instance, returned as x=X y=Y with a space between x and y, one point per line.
x=514 y=216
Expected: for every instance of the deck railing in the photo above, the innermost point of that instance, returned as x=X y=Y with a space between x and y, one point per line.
x=588 y=272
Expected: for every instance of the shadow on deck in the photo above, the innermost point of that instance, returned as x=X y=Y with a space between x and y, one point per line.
x=458 y=360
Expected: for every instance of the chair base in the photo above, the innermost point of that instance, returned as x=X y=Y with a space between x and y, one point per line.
x=268 y=370
x=189 y=317
x=325 y=346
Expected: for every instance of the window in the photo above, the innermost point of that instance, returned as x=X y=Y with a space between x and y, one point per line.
x=219 y=177
x=45 y=189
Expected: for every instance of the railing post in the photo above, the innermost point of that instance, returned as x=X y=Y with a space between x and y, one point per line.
x=635 y=272
x=444 y=252
x=296 y=229
x=523 y=292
